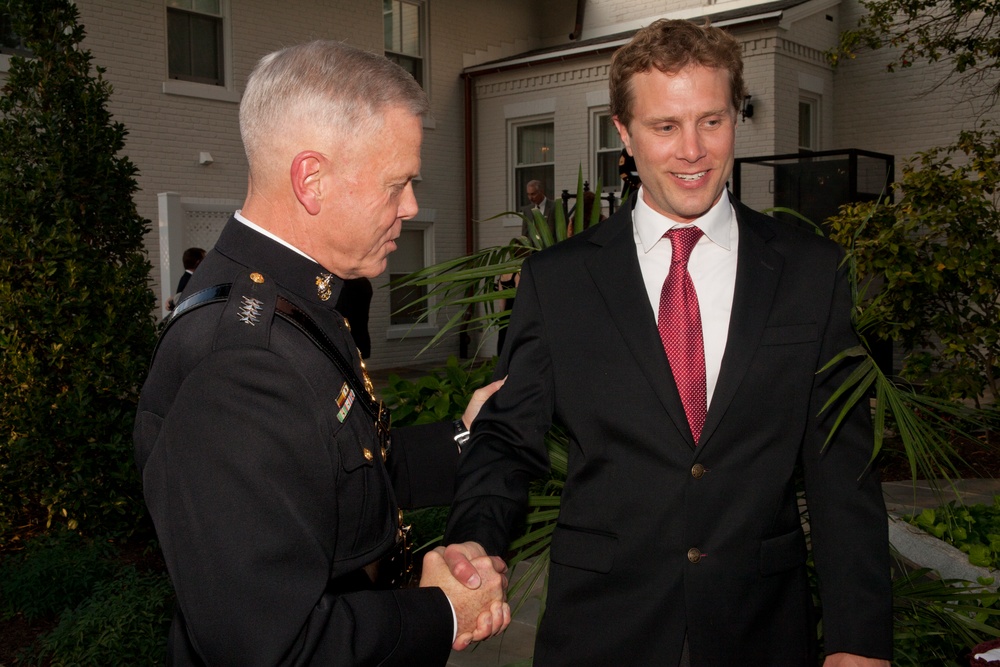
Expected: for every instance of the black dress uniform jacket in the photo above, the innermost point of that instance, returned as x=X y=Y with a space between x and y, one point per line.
x=659 y=535
x=264 y=489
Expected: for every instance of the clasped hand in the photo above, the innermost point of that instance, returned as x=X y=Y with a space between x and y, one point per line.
x=475 y=584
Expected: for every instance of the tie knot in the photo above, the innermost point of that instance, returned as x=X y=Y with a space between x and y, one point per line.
x=682 y=242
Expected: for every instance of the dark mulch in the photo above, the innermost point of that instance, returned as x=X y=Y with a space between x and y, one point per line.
x=976 y=459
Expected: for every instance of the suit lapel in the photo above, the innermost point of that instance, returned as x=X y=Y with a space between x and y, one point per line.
x=757 y=273
x=616 y=274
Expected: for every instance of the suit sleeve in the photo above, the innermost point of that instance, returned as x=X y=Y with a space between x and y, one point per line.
x=507 y=449
x=847 y=514
x=241 y=484
x=422 y=465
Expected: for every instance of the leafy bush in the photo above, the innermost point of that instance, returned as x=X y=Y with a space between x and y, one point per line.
x=441 y=394
x=76 y=323
x=936 y=251
x=125 y=622
x=972 y=529
x=53 y=572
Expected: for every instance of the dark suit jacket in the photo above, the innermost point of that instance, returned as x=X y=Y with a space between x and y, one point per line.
x=657 y=536
x=262 y=495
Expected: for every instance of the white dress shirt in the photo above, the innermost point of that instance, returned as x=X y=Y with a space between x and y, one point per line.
x=712 y=267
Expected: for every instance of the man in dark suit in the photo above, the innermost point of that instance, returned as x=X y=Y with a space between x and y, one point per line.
x=538 y=201
x=691 y=393
x=266 y=460
x=191 y=259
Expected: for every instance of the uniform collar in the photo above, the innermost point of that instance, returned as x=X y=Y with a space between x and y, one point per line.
x=293 y=270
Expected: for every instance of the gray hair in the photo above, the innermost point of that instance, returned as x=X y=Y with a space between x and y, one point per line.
x=334 y=87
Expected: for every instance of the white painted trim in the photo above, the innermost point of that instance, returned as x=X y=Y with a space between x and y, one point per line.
x=599 y=98
x=530 y=108
x=810 y=83
x=200 y=90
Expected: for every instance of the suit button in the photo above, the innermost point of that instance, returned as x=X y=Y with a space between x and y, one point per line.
x=694 y=555
x=698 y=471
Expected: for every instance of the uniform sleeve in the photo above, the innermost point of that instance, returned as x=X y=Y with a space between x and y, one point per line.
x=507 y=447
x=242 y=487
x=847 y=515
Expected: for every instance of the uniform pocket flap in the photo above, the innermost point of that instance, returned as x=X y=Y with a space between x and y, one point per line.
x=355 y=454
x=789 y=334
x=585 y=549
x=782 y=553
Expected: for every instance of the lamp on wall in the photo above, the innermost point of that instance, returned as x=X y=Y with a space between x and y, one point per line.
x=747 y=110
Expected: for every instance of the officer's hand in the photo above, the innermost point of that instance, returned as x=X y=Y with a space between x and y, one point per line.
x=481 y=612
x=476 y=402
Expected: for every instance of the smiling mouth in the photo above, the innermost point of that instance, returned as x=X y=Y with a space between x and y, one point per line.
x=691 y=177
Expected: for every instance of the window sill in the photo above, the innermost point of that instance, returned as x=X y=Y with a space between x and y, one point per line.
x=200 y=90
x=401 y=331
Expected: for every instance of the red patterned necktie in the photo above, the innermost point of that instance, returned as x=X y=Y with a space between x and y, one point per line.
x=680 y=328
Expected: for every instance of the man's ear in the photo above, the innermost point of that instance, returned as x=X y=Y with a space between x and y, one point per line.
x=623 y=133
x=307 y=172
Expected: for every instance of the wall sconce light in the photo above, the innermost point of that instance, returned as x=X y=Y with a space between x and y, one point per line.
x=747 y=110
x=204 y=157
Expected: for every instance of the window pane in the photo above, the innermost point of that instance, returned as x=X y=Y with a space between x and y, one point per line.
x=179 y=45
x=607 y=171
x=608 y=136
x=401 y=27
x=194 y=46
x=536 y=144
x=207 y=7
x=409 y=257
x=205 y=48
x=415 y=66
x=805 y=125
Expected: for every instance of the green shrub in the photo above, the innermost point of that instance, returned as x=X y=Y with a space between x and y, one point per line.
x=441 y=394
x=53 y=572
x=936 y=250
x=76 y=323
x=124 y=622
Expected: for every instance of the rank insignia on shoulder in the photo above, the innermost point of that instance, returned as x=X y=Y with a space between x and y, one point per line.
x=344 y=401
x=250 y=309
x=324 y=289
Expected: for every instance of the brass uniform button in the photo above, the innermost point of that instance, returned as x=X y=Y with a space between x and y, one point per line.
x=694 y=555
x=698 y=471
x=368 y=454
x=257 y=278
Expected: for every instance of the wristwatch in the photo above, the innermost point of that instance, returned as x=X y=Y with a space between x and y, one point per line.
x=461 y=434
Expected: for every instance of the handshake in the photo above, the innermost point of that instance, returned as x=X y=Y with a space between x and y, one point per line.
x=476 y=586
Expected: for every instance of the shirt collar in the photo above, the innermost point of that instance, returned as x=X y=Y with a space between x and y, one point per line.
x=651 y=226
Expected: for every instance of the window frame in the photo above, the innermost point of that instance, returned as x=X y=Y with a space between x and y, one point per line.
x=813 y=104
x=223 y=92
x=597 y=150
x=515 y=188
x=423 y=38
x=424 y=222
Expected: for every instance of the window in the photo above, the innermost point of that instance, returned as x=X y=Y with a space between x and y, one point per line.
x=402 y=21
x=808 y=132
x=534 y=159
x=410 y=256
x=195 y=44
x=607 y=151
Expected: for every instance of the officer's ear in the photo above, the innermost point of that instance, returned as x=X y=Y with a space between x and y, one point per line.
x=307 y=180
